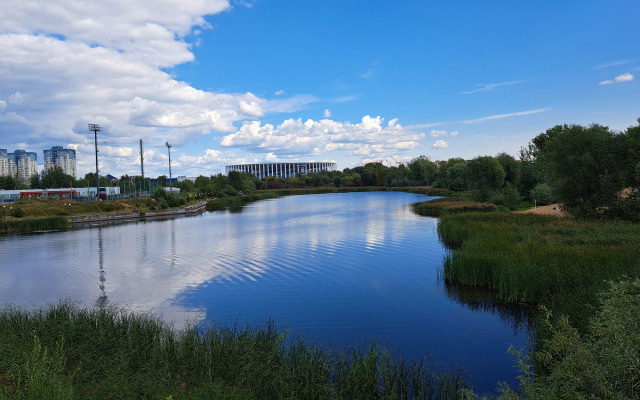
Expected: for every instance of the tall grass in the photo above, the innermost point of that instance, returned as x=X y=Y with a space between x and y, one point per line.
x=452 y=205
x=64 y=351
x=561 y=263
x=34 y=224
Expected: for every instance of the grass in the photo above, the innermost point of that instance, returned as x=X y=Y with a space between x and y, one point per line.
x=34 y=224
x=452 y=205
x=64 y=351
x=560 y=263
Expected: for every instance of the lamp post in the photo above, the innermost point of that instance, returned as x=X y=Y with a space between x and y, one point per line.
x=169 y=150
x=96 y=128
x=11 y=213
x=4 y=210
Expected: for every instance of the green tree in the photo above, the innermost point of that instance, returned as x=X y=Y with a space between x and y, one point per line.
x=423 y=171
x=486 y=175
x=456 y=175
x=54 y=177
x=511 y=168
x=34 y=181
x=586 y=166
x=8 y=183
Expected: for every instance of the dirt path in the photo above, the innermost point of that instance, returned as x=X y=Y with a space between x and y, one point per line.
x=553 y=210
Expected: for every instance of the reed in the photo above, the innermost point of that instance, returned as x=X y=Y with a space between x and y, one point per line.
x=34 y=224
x=452 y=205
x=64 y=351
x=561 y=263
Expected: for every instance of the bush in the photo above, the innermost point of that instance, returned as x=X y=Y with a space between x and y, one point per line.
x=17 y=212
x=601 y=364
x=508 y=197
x=542 y=194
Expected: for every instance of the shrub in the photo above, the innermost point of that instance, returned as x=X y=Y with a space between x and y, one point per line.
x=542 y=194
x=17 y=212
x=600 y=364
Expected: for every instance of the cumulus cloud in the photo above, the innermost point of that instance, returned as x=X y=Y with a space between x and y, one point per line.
x=68 y=63
x=618 y=79
x=440 y=144
x=294 y=136
x=436 y=133
x=327 y=113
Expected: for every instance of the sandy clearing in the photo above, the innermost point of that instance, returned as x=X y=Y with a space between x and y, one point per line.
x=553 y=210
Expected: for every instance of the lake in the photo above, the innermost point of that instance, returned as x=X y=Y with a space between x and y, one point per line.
x=341 y=269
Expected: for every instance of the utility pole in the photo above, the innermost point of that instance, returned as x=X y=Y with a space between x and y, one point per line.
x=96 y=128
x=142 y=165
x=169 y=150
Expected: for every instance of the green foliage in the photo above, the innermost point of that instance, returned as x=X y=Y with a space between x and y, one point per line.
x=511 y=169
x=602 y=363
x=55 y=178
x=486 y=175
x=8 y=183
x=560 y=263
x=585 y=166
x=542 y=194
x=508 y=197
x=17 y=212
x=41 y=375
x=423 y=171
x=34 y=224
x=113 y=353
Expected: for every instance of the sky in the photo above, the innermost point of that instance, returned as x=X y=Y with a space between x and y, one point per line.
x=348 y=81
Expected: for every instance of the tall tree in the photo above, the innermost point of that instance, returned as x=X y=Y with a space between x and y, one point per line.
x=586 y=166
x=486 y=175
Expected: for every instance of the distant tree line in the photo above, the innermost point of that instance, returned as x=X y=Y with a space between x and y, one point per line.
x=585 y=168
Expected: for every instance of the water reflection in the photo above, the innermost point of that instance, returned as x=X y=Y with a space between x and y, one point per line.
x=341 y=268
x=518 y=316
x=102 y=298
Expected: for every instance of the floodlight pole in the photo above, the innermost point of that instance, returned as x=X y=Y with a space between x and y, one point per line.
x=169 y=150
x=96 y=128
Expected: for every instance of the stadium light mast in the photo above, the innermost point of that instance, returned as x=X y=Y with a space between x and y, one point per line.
x=96 y=128
x=169 y=150
x=142 y=165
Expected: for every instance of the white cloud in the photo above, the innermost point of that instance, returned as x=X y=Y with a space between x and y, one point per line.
x=327 y=113
x=486 y=87
x=438 y=133
x=279 y=93
x=618 y=79
x=440 y=144
x=295 y=137
x=68 y=63
x=612 y=64
x=500 y=116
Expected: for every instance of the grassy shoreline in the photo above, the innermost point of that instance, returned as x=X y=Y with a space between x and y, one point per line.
x=68 y=352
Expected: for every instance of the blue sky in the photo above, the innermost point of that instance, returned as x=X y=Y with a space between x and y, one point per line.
x=346 y=81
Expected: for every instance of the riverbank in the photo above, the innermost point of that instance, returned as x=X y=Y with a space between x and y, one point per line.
x=564 y=265
x=65 y=352
x=61 y=214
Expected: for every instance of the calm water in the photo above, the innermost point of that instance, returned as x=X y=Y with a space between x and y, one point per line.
x=340 y=268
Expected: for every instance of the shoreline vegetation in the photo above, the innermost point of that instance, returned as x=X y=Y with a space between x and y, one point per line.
x=582 y=275
x=66 y=352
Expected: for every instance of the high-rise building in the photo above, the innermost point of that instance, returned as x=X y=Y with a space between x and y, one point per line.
x=4 y=163
x=25 y=164
x=63 y=158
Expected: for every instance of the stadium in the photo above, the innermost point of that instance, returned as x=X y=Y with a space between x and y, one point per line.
x=283 y=170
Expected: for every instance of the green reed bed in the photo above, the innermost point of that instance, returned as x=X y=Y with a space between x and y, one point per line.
x=452 y=205
x=34 y=224
x=65 y=351
x=561 y=263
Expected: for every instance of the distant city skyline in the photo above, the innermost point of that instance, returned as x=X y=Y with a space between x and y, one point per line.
x=254 y=81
